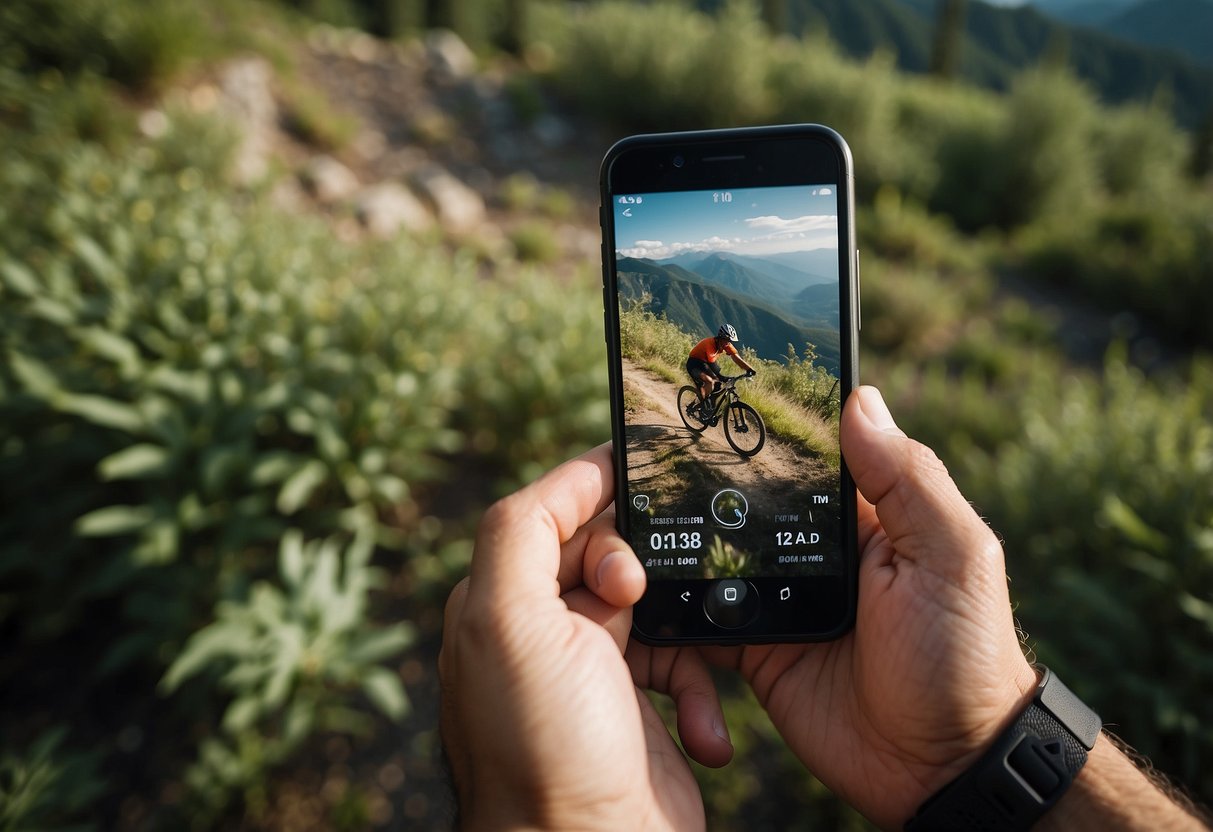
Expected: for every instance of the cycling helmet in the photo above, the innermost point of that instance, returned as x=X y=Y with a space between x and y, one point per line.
x=727 y=331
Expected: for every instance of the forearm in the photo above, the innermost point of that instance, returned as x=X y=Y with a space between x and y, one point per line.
x=1112 y=793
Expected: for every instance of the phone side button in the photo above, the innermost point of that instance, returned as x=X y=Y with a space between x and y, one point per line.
x=731 y=603
x=858 y=296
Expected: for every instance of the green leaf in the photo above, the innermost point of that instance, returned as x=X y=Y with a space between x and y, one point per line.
x=36 y=376
x=142 y=460
x=213 y=642
x=290 y=558
x=109 y=345
x=274 y=466
x=384 y=690
x=100 y=411
x=97 y=260
x=300 y=485
x=376 y=646
x=113 y=520
x=240 y=714
x=52 y=311
x=19 y=279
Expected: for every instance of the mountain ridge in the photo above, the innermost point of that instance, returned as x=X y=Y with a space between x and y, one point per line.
x=1002 y=41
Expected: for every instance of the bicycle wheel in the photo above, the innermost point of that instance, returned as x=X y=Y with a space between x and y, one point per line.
x=688 y=409
x=744 y=429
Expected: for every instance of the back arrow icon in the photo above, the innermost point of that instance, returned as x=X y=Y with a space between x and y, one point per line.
x=686 y=596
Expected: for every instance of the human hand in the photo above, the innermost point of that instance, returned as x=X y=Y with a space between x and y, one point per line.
x=933 y=670
x=540 y=718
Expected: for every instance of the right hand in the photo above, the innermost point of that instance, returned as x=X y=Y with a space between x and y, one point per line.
x=932 y=672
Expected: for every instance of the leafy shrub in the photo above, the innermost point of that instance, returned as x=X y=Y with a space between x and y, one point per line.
x=310 y=115
x=136 y=44
x=186 y=375
x=46 y=787
x=533 y=242
x=1138 y=149
x=290 y=656
x=1153 y=257
x=1045 y=152
x=1106 y=504
x=813 y=83
x=696 y=71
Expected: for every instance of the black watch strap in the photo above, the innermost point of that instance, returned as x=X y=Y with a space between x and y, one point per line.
x=1027 y=770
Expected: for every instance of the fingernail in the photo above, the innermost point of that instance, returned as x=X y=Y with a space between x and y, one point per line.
x=604 y=565
x=872 y=403
x=721 y=730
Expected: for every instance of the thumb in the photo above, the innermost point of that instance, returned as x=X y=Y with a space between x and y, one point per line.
x=920 y=508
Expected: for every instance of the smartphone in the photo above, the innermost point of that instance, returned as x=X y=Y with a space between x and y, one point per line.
x=730 y=290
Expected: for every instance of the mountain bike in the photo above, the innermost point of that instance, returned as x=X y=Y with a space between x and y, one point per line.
x=743 y=427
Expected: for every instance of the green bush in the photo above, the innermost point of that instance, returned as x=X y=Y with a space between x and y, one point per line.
x=1139 y=152
x=696 y=71
x=136 y=44
x=1106 y=503
x=1151 y=257
x=186 y=374
x=46 y=787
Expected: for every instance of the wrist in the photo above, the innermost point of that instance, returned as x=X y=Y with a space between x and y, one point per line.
x=1026 y=770
x=1014 y=696
x=1112 y=791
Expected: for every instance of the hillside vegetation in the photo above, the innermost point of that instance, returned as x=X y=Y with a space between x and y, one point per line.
x=244 y=439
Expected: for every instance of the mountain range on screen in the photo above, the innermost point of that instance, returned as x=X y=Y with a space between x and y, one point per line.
x=772 y=300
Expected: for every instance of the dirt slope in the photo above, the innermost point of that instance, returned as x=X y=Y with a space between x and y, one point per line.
x=659 y=442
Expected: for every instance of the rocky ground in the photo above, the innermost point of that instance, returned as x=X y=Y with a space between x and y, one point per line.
x=423 y=140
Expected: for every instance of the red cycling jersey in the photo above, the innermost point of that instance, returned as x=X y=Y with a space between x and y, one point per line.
x=706 y=350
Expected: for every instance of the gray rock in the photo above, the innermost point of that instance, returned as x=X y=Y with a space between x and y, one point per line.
x=448 y=56
x=247 y=98
x=328 y=180
x=460 y=209
x=389 y=207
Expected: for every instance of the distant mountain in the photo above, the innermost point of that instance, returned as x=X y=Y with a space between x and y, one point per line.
x=1183 y=25
x=698 y=308
x=1082 y=12
x=726 y=272
x=769 y=281
x=791 y=271
x=816 y=266
x=1002 y=41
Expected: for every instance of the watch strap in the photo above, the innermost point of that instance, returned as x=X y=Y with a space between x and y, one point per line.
x=1024 y=773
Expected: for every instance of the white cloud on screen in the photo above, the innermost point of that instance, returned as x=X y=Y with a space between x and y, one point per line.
x=769 y=234
x=657 y=250
x=793 y=225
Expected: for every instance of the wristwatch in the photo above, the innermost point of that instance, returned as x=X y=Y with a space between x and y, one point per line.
x=1024 y=773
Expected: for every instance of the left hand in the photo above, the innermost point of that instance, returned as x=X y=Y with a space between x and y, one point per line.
x=540 y=717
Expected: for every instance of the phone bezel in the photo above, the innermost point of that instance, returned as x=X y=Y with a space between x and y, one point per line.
x=720 y=159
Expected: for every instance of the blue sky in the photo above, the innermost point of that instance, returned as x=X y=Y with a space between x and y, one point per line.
x=755 y=221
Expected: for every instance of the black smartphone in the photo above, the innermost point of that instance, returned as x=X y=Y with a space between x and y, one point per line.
x=730 y=288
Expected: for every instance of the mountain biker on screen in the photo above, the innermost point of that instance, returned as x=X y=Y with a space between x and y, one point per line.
x=702 y=366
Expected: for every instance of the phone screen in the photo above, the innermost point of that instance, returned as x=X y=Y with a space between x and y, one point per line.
x=746 y=483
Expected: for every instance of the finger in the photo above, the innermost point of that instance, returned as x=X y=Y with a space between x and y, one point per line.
x=684 y=676
x=450 y=622
x=449 y=726
x=918 y=505
x=615 y=620
x=608 y=566
x=518 y=544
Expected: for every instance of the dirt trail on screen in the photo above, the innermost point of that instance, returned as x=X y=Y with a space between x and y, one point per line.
x=664 y=452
